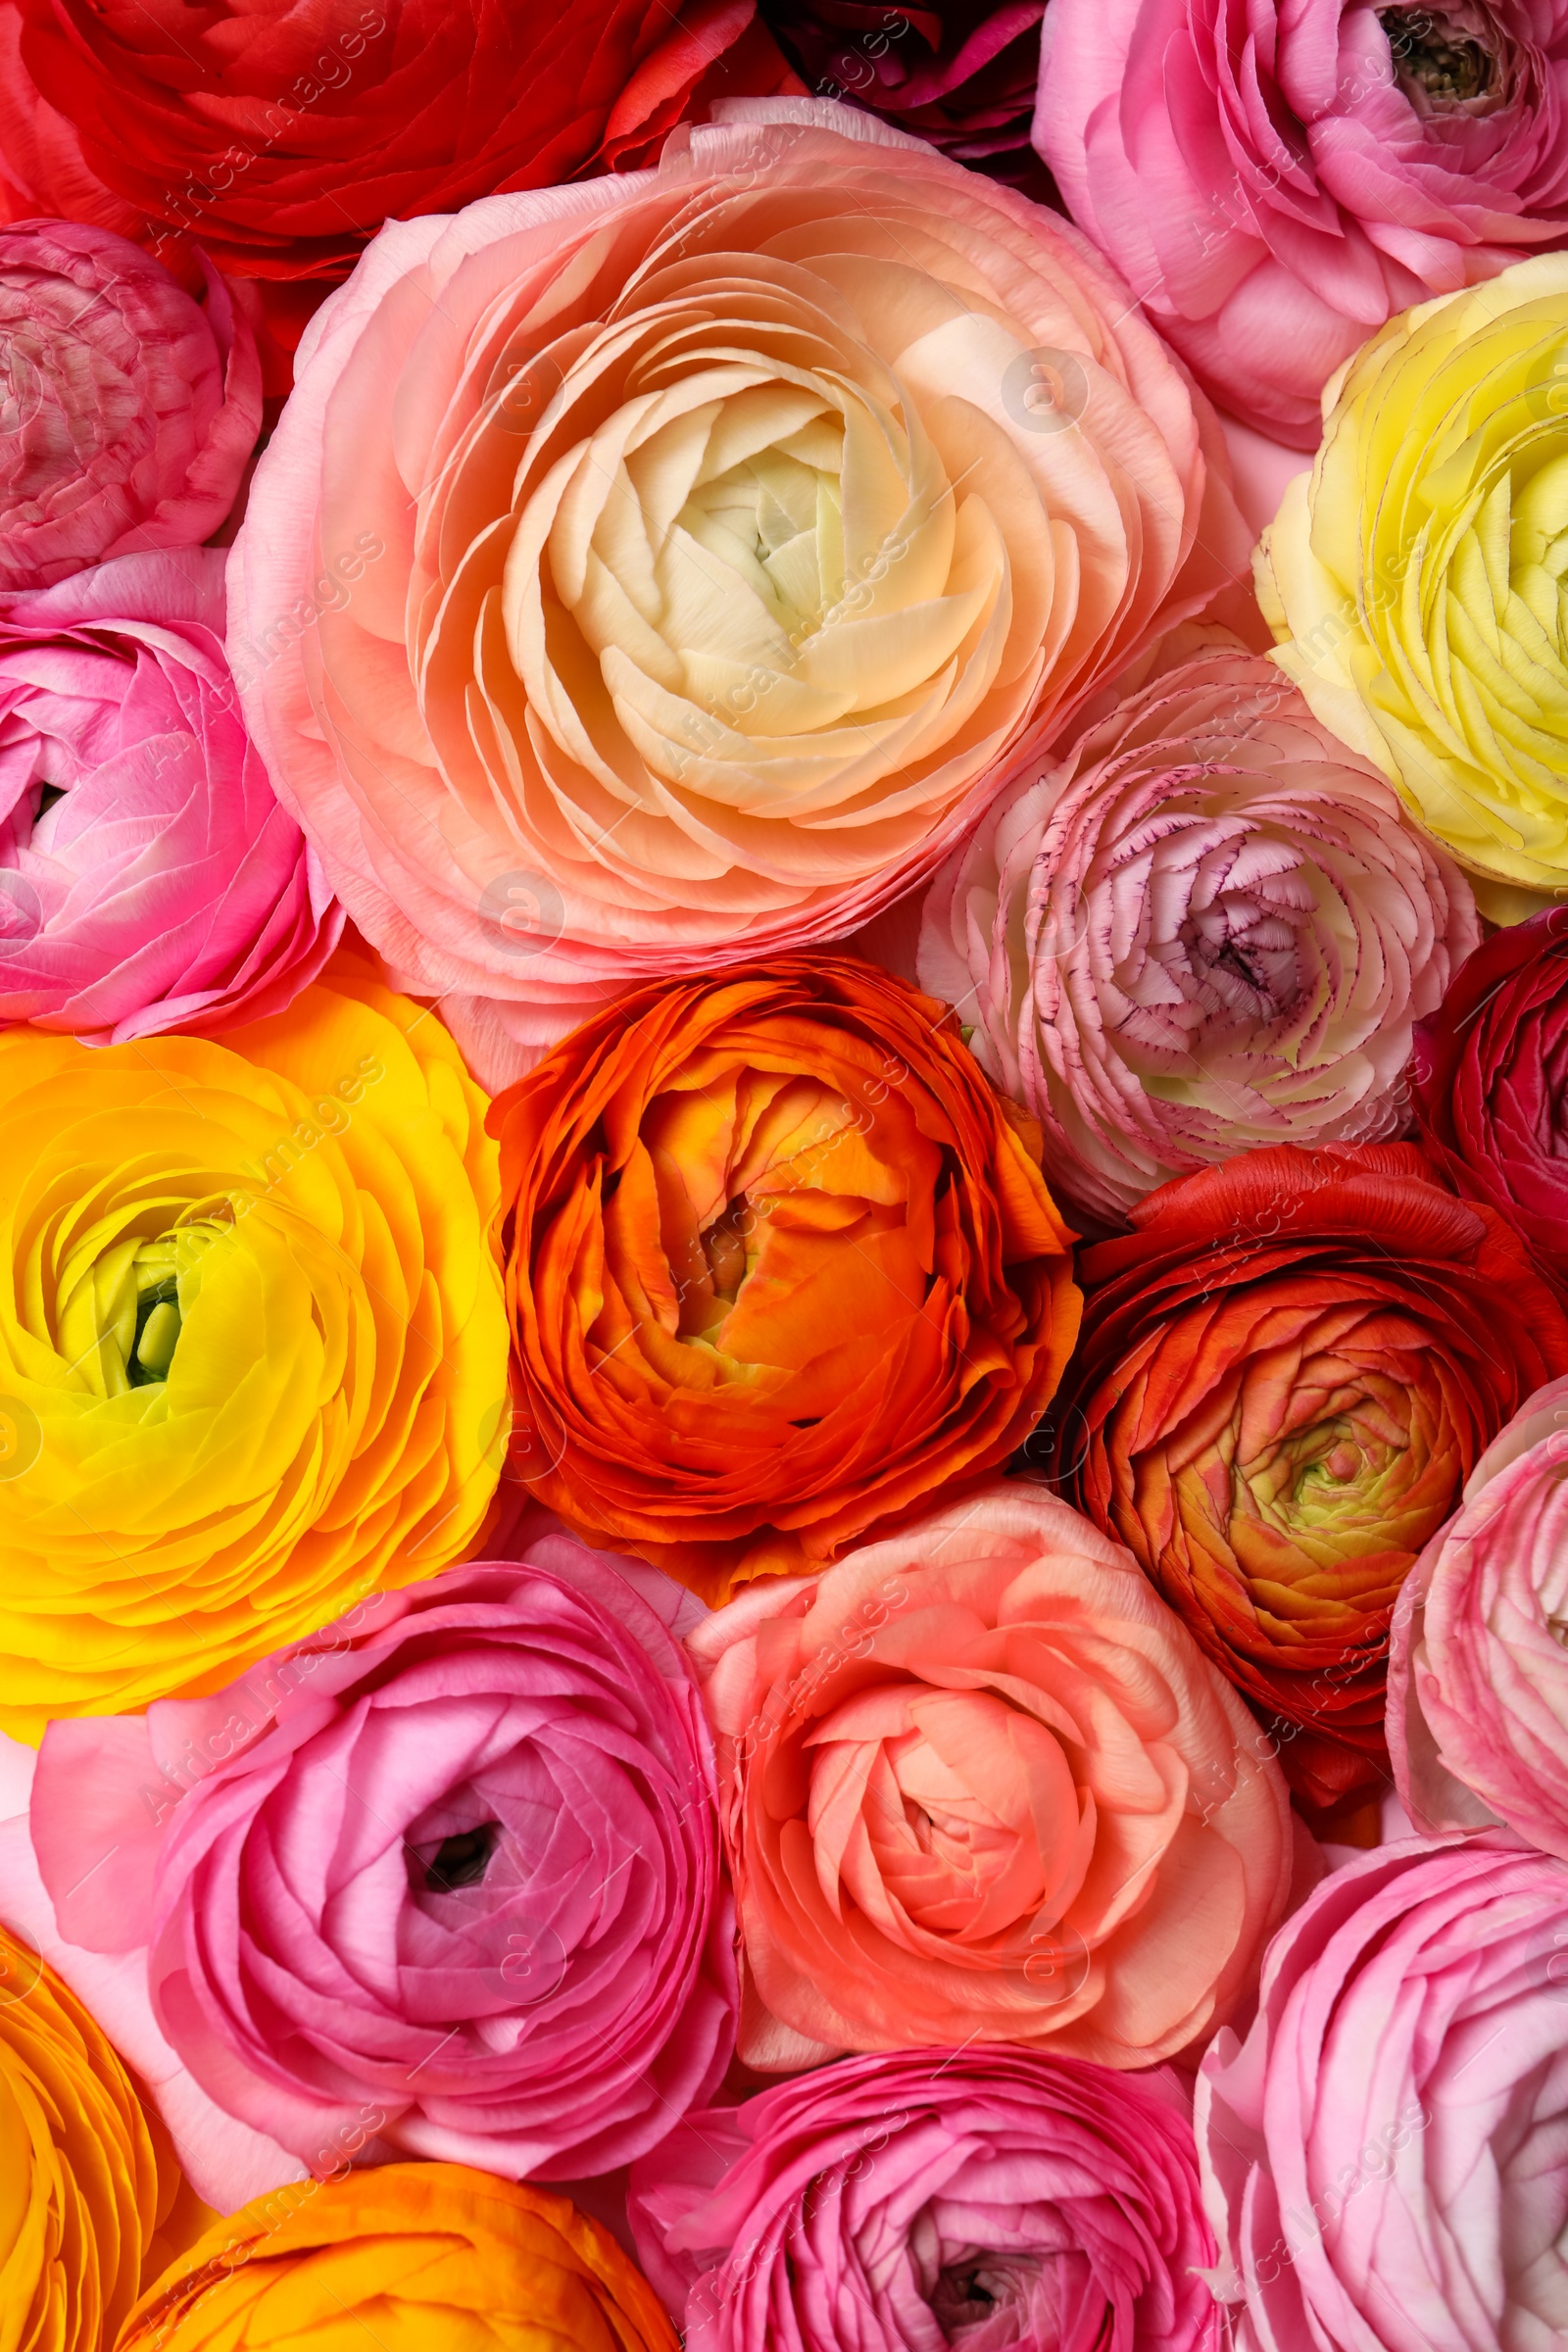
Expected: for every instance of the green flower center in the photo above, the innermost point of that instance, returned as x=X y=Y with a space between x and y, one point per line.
x=121 y=1311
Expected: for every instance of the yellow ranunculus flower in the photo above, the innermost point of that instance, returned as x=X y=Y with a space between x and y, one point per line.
x=253 y=1360
x=91 y=2201
x=406 y=2258
x=1418 y=581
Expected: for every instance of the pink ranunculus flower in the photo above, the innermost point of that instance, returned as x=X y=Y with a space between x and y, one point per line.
x=149 y=878
x=1207 y=927
x=739 y=517
x=987 y=2200
x=1276 y=181
x=1478 y=1666
x=454 y=1861
x=979 y=1784
x=131 y=408
x=1385 y=2155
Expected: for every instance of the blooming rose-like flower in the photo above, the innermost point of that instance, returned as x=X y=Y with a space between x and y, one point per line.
x=148 y=877
x=1385 y=2155
x=978 y=2198
x=1287 y=1373
x=1413 y=576
x=282 y=136
x=90 y=2189
x=132 y=409
x=779 y=1263
x=979 y=1784
x=1207 y=927
x=1478 y=1671
x=456 y=1858
x=1276 y=184
x=733 y=537
x=961 y=77
x=411 y=2257
x=251 y=1346
x=1489 y=1081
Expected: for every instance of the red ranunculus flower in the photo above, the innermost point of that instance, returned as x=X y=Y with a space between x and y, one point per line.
x=959 y=74
x=1287 y=1370
x=1490 y=1081
x=283 y=133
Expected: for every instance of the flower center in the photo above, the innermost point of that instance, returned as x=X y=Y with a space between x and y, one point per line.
x=724 y=1248
x=1431 y=55
x=122 y=1308
x=463 y=1859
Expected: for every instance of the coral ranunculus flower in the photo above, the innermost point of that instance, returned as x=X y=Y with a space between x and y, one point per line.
x=251 y=1348
x=1415 y=577
x=406 y=2258
x=86 y=2179
x=738 y=518
x=1288 y=1370
x=979 y=1786
x=281 y=136
x=780 y=1262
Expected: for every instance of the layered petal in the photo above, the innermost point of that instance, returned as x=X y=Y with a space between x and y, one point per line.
x=251 y=1344
x=1208 y=926
x=1288 y=1370
x=979 y=1784
x=987 y=2199
x=739 y=518
x=779 y=1263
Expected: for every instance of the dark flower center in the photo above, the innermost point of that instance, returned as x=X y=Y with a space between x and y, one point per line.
x=463 y=1859
x=1432 y=55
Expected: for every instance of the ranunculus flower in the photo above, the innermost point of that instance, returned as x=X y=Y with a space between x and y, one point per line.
x=1413 y=576
x=455 y=1858
x=1208 y=926
x=251 y=1346
x=1489 y=1081
x=979 y=1784
x=132 y=409
x=960 y=75
x=409 y=2258
x=1478 y=1671
x=87 y=2189
x=282 y=135
x=1277 y=183
x=780 y=1265
x=1386 y=2156
x=733 y=536
x=148 y=877
x=985 y=2199
x=1287 y=1373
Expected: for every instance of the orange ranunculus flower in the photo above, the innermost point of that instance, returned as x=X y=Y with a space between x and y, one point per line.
x=1288 y=1370
x=91 y=2201
x=407 y=2258
x=780 y=1265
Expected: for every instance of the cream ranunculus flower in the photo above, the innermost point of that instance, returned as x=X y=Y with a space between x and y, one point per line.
x=733 y=520
x=1418 y=579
